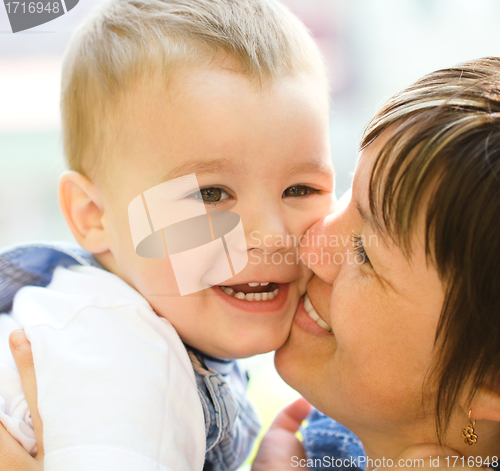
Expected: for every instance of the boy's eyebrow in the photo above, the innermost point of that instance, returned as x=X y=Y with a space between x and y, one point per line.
x=200 y=167
x=204 y=167
x=311 y=167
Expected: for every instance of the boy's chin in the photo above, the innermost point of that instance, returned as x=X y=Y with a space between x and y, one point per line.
x=248 y=348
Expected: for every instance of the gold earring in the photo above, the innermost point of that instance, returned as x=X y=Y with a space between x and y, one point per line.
x=468 y=432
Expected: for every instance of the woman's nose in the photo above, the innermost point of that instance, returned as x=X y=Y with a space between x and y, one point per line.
x=324 y=246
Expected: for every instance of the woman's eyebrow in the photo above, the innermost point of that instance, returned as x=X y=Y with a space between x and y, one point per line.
x=365 y=215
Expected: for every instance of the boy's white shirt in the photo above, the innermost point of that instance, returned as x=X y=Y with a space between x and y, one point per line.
x=116 y=388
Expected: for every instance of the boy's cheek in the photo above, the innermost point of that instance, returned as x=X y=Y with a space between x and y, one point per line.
x=152 y=277
x=306 y=275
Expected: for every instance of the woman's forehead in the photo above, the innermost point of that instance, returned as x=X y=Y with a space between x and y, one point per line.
x=367 y=193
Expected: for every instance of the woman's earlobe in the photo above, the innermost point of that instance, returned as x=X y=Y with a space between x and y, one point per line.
x=486 y=404
x=82 y=207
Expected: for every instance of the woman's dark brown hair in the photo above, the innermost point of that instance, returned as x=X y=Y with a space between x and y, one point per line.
x=444 y=151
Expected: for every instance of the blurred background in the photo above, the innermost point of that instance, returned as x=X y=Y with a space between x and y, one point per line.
x=373 y=49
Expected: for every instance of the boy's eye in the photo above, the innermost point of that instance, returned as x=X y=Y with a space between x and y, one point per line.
x=298 y=190
x=213 y=194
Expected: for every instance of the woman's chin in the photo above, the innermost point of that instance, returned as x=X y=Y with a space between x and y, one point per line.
x=296 y=361
x=288 y=361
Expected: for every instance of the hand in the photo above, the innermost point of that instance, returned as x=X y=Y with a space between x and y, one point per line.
x=13 y=457
x=280 y=444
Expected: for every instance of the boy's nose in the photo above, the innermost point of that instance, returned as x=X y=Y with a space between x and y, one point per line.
x=324 y=246
x=268 y=232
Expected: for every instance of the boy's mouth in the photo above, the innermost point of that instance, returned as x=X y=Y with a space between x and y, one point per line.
x=255 y=291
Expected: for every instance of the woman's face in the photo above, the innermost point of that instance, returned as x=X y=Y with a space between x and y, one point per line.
x=369 y=372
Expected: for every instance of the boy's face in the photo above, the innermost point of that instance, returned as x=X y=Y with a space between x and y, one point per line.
x=263 y=154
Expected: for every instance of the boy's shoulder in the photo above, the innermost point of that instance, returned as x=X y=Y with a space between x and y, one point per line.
x=78 y=287
x=33 y=264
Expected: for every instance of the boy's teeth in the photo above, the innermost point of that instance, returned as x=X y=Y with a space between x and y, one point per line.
x=314 y=315
x=265 y=296
x=254 y=285
x=265 y=283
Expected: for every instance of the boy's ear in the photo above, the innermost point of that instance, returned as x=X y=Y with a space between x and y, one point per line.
x=486 y=403
x=82 y=207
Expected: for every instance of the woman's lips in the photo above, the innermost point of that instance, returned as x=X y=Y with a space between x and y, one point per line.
x=306 y=323
x=279 y=298
x=314 y=315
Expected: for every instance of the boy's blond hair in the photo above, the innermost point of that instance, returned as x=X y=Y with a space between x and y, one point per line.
x=131 y=41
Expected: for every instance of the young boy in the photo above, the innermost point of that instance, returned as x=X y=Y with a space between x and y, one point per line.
x=233 y=92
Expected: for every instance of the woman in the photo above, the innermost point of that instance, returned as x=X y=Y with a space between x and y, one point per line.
x=405 y=282
x=414 y=345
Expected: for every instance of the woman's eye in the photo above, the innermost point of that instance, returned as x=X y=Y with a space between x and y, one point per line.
x=299 y=190
x=213 y=194
x=360 y=255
